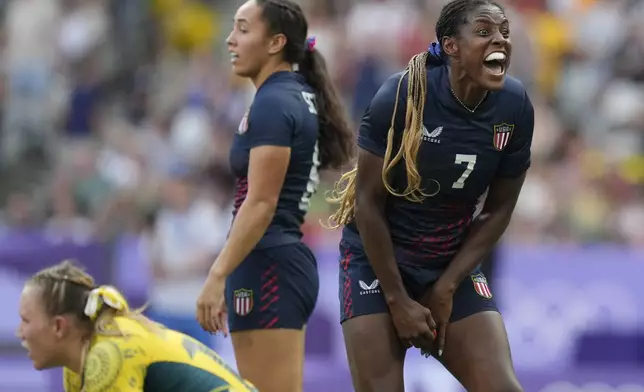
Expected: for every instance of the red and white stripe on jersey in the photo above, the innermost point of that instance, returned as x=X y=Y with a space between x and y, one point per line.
x=502 y=135
x=481 y=287
x=243 y=301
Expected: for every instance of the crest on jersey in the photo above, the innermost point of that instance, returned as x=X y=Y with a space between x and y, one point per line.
x=502 y=135
x=481 y=287
x=243 y=301
x=243 y=125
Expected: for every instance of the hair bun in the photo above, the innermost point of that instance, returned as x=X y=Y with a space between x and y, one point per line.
x=436 y=54
x=310 y=43
x=104 y=295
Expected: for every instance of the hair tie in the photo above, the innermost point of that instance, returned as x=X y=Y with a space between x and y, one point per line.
x=310 y=43
x=104 y=295
x=435 y=49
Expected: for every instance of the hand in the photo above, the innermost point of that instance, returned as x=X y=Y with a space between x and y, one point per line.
x=211 y=305
x=439 y=300
x=414 y=324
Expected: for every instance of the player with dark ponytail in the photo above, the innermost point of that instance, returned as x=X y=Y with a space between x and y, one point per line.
x=434 y=139
x=265 y=276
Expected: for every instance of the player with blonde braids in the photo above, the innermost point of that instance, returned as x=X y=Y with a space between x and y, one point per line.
x=103 y=345
x=434 y=139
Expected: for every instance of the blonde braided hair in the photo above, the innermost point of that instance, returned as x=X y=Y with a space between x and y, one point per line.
x=344 y=191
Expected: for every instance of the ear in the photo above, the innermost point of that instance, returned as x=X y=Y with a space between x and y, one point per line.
x=450 y=47
x=61 y=325
x=276 y=43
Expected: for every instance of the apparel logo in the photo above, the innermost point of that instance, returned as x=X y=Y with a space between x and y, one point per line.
x=369 y=288
x=243 y=125
x=481 y=287
x=502 y=135
x=432 y=137
x=243 y=301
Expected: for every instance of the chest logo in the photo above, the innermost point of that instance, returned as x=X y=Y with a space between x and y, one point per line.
x=433 y=136
x=502 y=135
x=243 y=125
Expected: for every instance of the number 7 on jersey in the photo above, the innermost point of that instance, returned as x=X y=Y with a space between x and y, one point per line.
x=470 y=160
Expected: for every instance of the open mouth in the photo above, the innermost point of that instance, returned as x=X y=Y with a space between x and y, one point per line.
x=495 y=63
x=233 y=57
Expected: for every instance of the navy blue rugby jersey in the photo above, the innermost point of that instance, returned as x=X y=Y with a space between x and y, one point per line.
x=283 y=113
x=460 y=154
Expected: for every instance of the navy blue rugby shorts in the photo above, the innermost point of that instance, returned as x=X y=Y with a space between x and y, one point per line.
x=274 y=287
x=360 y=292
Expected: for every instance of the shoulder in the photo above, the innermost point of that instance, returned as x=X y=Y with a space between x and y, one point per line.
x=393 y=89
x=513 y=94
x=129 y=327
x=277 y=96
x=103 y=365
x=394 y=81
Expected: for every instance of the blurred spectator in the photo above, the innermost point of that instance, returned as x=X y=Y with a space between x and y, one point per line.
x=190 y=231
x=30 y=58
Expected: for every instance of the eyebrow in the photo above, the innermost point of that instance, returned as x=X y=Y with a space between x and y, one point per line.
x=489 y=19
x=240 y=20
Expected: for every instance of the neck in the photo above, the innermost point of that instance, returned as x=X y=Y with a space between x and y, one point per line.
x=464 y=89
x=75 y=356
x=267 y=71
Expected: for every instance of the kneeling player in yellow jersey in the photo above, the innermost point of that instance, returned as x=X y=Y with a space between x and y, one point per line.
x=105 y=347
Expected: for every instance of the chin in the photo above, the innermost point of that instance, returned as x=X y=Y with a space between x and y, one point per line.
x=493 y=84
x=241 y=71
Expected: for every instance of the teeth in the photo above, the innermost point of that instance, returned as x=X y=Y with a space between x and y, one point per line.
x=233 y=55
x=496 y=56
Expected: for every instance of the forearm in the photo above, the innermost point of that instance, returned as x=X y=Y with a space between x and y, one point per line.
x=379 y=248
x=249 y=226
x=485 y=232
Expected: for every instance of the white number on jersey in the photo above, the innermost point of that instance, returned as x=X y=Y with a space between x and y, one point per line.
x=309 y=98
x=471 y=162
x=314 y=180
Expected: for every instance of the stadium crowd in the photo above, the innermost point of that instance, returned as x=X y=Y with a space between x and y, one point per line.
x=117 y=114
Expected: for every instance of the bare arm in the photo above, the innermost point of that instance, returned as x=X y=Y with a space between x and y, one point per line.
x=486 y=230
x=266 y=173
x=371 y=195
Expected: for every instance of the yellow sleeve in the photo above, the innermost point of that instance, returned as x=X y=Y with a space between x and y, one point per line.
x=115 y=366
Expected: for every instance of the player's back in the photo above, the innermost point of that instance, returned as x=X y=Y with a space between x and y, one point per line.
x=153 y=360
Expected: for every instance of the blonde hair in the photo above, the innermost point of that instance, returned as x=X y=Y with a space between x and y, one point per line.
x=344 y=191
x=68 y=289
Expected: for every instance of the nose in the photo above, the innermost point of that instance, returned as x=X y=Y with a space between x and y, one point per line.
x=498 y=39
x=230 y=40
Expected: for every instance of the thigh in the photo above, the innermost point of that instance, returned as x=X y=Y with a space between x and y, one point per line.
x=272 y=359
x=477 y=351
x=376 y=357
x=359 y=289
x=273 y=288
x=374 y=352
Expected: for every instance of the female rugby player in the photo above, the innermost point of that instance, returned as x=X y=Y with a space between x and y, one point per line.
x=294 y=127
x=104 y=346
x=434 y=138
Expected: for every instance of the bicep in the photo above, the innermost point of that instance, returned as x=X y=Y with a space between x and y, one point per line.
x=110 y=367
x=370 y=189
x=503 y=194
x=267 y=169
